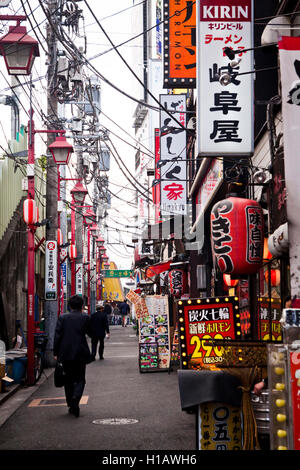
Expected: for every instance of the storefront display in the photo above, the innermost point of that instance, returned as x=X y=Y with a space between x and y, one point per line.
x=204 y=320
x=154 y=328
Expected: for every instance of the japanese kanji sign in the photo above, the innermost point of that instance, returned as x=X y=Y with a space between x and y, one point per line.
x=51 y=270
x=206 y=319
x=79 y=279
x=117 y=273
x=225 y=124
x=173 y=155
x=179 y=44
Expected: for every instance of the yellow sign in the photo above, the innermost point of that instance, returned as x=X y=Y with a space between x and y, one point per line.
x=219 y=427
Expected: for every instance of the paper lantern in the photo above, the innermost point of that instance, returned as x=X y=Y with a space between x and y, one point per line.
x=275 y=277
x=72 y=252
x=237 y=235
x=59 y=237
x=30 y=212
x=228 y=281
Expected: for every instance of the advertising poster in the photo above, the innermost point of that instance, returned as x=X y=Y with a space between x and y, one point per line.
x=206 y=319
x=154 y=328
x=179 y=44
x=295 y=393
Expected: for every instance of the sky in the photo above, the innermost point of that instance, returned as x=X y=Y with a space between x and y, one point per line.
x=116 y=18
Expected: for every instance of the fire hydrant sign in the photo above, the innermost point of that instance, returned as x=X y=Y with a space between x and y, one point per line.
x=225 y=123
x=51 y=270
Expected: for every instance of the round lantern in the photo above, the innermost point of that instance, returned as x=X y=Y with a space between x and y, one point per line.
x=237 y=235
x=275 y=277
x=59 y=237
x=30 y=212
x=72 y=252
x=228 y=281
x=177 y=279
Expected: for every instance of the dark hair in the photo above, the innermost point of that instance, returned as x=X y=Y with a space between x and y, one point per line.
x=75 y=302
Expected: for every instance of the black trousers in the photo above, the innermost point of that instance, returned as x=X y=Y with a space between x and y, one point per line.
x=94 y=342
x=75 y=381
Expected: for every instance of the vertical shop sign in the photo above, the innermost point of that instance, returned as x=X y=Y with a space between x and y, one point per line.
x=179 y=44
x=289 y=54
x=51 y=270
x=219 y=427
x=203 y=320
x=173 y=155
x=225 y=123
x=156 y=188
x=79 y=279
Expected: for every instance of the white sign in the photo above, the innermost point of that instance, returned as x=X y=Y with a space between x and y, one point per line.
x=225 y=113
x=173 y=173
x=79 y=279
x=51 y=270
x=4 y=3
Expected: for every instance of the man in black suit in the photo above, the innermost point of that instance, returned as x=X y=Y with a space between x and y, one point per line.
x=72 y=350
x=99 y=327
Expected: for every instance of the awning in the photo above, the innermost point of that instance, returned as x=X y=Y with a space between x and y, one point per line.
x=152 y=271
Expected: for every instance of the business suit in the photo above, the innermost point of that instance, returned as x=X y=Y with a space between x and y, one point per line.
x=99 y=328
x=71 y=348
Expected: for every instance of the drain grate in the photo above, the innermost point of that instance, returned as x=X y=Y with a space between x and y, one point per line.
x=115 y=421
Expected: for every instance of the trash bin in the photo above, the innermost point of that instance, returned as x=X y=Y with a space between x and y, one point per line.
x=19 y=369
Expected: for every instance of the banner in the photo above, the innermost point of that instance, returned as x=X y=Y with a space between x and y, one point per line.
x=79 y=279
x=179 y=44
x=225 y=113
x=51 y=270
x=173 y=172
x=289 y=54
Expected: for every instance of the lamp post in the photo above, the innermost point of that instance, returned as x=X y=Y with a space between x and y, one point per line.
x=19 y=51
x=61 y=151
x=89 y=220
x=78 y=194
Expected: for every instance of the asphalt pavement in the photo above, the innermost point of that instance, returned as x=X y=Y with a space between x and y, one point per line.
x=121 y=409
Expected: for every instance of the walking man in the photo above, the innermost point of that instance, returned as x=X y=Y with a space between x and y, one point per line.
x=124 y=310
x=71 y=349
x=99 y=327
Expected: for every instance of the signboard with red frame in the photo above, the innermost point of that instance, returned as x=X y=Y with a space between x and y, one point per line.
x=201 y=320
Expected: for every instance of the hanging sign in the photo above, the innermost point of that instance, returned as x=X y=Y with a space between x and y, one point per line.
x=177 y=279
x=51 y=270
x=179 y=44
x=225 y=123
x=237 y=234
x=206 y=319
x=264 y=307
x=79 y=279
x=173 y=173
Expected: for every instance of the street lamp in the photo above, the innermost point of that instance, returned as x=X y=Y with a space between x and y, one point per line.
x=18 y=48
x=79 y=193
x=89 y=217
x=61 y=150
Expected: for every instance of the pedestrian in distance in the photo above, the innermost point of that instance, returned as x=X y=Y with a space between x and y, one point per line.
x=72 y=350
x=124 y=310
x=99 y=329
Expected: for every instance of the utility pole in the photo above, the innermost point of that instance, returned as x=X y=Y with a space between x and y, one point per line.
x=51 y=306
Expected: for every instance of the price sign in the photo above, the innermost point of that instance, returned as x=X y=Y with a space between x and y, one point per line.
x=203 y=320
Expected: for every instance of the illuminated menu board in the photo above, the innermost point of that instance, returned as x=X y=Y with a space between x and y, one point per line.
x=201 y=320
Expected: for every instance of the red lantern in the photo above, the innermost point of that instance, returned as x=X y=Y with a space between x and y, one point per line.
x=72 y=252
x=237 y=231
x=30 y=212
x=177 y=278
x=59 y=237
x=228 y=281
x=275 y=277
